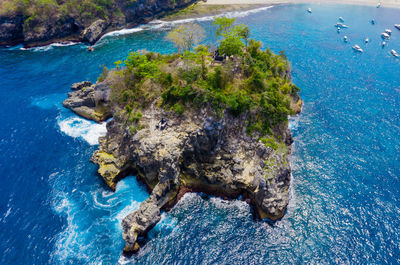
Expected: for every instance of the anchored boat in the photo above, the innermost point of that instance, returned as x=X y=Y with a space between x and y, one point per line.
x=395 y=54
x=385 y=36
x=357 y=48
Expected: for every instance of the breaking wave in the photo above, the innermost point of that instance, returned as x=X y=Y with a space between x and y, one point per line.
x=87 y=130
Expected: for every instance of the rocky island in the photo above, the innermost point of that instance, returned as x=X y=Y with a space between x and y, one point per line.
x=198 y=120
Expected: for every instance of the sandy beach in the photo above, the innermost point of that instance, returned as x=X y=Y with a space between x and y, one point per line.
x=385 y=3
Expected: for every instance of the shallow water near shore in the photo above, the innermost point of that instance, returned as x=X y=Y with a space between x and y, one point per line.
x=345 y=195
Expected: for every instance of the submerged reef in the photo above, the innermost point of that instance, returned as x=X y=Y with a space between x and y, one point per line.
x=195 y=121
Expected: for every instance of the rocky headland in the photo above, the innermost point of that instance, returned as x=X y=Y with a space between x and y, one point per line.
x=186 y=122
x=35 y=23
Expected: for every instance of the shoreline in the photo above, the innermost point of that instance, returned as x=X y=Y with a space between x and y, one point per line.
x=199 y=10
x=385 y=3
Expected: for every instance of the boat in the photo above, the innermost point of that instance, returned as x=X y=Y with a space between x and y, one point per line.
x=385 y=36
x=366 y=40
x=90 y=49
x=338 y=30
x=340 y=25
x=397 y=26
x=378 y=5
x=341 y=19
x=357 y=48
x=372 y=22
x=346 y=39
x=388 y=31
x=384 y=44
x=309 y=10
x=395 y=54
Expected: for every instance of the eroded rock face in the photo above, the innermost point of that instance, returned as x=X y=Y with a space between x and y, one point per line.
x=11 y=31
x=89 y=101
x=198 y=152
x=93 y=33
x=57 y=27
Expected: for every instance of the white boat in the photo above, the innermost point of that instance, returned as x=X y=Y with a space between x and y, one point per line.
x=397 y=26
x=366 y=40
x=309 y=10
x=341 y=19
x=340 y=25
x=388 y=31
x=384 y=44
x=378 y=5
x=346 y=39
x=357 y=48
x=385 y=36
x=394 y=53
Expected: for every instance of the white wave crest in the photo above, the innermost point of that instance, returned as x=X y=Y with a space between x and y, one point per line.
x=77 y=127
x=50 y=46
x=160 y=24
x=230 y=14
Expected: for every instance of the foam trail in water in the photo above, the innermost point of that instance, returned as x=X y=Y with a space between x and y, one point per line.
x=88 y=130
x=231 y=14
x=160 y=24
x=50 y=46
x=87 y=225
x=122 y=32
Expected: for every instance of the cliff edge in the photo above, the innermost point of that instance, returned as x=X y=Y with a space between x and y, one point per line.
x=195 y=122
x=34 y=23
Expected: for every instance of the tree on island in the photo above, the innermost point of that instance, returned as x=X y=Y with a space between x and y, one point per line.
x=186 y=36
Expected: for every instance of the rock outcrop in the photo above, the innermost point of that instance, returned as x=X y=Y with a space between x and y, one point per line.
x=36 y=30
x=172 y=154
x=93 y=33
x=11 y=30
x=89 y=101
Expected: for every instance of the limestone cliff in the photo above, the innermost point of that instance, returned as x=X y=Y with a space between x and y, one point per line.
x=38 y=25
x=172 y=154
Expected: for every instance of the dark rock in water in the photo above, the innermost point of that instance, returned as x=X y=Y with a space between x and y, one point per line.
x=93 y=33
x=80 y=85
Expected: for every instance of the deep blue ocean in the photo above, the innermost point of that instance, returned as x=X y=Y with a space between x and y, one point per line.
x=345 y=195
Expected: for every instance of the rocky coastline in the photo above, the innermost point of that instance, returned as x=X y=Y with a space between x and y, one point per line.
x=195 y=152
x=13 y=28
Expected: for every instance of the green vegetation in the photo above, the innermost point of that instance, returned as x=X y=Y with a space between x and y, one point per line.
x=201 y=9
x=251 y=82
x=38 y=11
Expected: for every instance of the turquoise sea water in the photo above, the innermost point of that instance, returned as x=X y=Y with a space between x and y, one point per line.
x=345 y=196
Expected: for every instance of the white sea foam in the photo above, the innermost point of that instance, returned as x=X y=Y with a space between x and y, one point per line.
x=231 y=204
x=123 y=32
x=88 y=130
x=230 y=14
x=50 y=46
x=160 y=24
